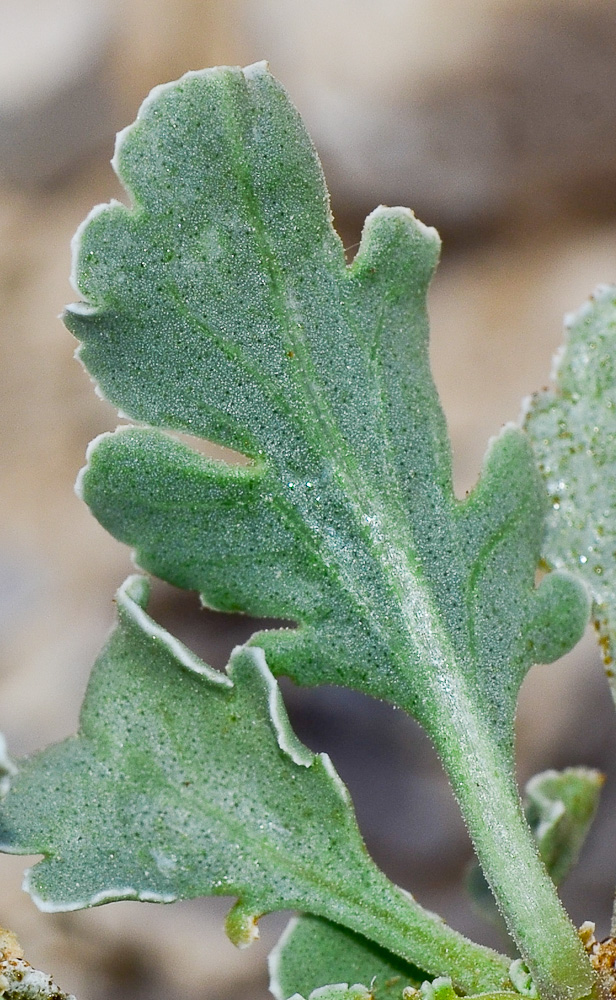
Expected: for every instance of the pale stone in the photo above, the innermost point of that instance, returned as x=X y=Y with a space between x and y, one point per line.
x=55 y=102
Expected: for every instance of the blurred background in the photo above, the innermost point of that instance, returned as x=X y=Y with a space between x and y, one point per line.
x=496 y=121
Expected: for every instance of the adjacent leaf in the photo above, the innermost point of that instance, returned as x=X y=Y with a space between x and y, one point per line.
x=313 y=952
x=572 y=427
x=561 y=806
x=220 y=305
x=7 y=768
x=184 y=782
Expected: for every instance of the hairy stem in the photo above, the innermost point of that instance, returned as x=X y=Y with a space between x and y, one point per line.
x=484 y=785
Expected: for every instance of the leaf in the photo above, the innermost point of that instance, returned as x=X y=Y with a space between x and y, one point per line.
x=184 y=782
x=7 y=768
x=220 y=305
x=561 y=806
x=313 y=952
x=572 y=427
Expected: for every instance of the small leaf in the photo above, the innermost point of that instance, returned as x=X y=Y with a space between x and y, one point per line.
x=440 y=988
x=572 y=427
x=522 y=979
x=184 y=782
x=561 y=806
x=312 y=952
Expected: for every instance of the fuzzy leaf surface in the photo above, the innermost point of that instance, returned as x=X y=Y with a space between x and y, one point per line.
x=220 y=305
x=313 y=952
x=183 y=782
x=572 y=427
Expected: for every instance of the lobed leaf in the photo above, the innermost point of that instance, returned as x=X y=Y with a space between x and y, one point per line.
x=313 y=952
x=220 y=305
x=183 y=782
x=572 y=427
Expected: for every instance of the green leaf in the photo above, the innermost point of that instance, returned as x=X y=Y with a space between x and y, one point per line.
x=220 y=305
x=184 y=782
x=572 y=427
x=560 y=807
x=313 y=952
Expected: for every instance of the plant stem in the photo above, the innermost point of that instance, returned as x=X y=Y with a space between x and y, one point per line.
x=484 y=785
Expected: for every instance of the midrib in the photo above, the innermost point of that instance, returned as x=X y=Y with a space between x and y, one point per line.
x=415 y=598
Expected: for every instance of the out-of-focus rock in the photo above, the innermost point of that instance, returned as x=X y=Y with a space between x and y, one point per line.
x=464 y=110
x=55 y=102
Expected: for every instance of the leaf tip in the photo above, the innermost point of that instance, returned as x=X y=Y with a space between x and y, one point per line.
x=562 y=612
x=394 y=239
x=85 y=308
x=241 y=924
x=136 y=588
x=132 y=598
x=31 y=885
x=252 y=72
x=83 y=472
x=257 y=69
